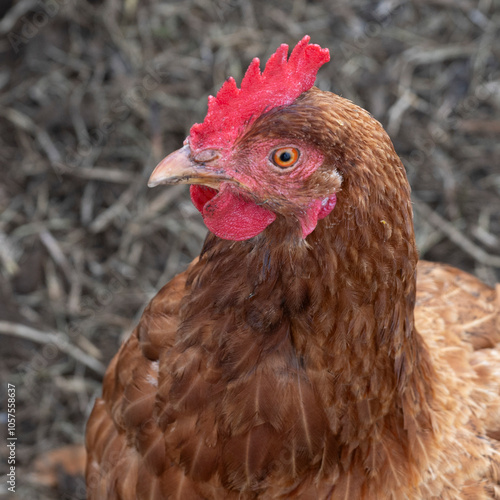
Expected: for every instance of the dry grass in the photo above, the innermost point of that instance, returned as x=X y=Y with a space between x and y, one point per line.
x=94 y=93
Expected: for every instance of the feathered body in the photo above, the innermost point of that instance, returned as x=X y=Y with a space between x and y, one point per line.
x=294 y=363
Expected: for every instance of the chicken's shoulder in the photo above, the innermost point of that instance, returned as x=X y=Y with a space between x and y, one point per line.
x=124 y=444
x=154 y=333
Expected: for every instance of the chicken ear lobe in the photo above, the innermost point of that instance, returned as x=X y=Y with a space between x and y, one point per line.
x=317 y=210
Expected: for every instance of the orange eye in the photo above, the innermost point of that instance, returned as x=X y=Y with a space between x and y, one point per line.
x=285 y=157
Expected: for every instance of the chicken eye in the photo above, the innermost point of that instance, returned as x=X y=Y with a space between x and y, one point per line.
x=285 y=157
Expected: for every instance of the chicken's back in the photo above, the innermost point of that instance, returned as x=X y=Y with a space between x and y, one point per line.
x=459 y=318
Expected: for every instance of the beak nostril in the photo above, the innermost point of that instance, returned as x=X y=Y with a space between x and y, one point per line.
x=205 y=156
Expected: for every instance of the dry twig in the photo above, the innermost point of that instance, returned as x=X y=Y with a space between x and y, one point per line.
x=58 y=339
x=476 y=252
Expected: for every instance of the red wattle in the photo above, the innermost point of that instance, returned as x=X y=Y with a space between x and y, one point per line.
x=229 y=214
x=201 y=195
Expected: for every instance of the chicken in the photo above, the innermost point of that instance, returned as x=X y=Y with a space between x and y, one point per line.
x=295 y=358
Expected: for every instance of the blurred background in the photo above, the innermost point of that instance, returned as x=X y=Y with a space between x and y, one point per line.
x=93 y=93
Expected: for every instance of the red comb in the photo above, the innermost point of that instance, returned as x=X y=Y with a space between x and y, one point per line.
x=279 y=85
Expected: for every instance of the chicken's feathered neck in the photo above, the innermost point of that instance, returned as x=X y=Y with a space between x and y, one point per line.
x=343 y=299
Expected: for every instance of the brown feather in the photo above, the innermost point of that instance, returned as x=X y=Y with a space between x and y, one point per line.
x=279 y=367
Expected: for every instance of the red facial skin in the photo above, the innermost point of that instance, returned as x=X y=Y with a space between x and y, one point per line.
x=240 y=211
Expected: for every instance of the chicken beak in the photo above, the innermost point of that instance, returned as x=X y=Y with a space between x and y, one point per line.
x=180 y=167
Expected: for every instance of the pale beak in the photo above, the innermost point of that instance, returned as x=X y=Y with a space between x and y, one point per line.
x=180 y=167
